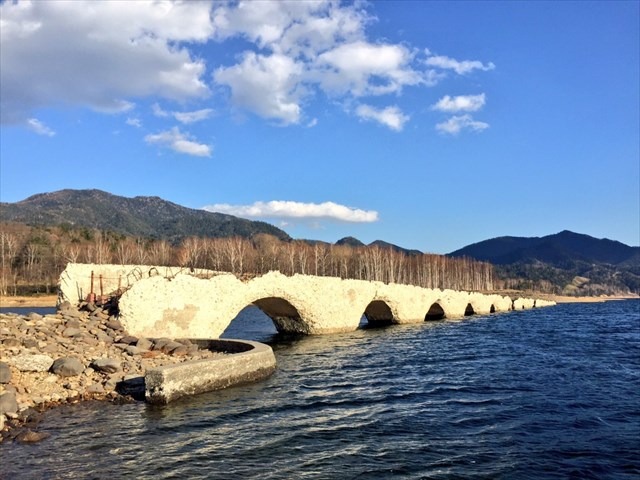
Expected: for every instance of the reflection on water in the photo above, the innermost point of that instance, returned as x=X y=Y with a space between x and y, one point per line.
x=543 y=393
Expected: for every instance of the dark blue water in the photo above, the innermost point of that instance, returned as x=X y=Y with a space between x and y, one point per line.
x=544 y=393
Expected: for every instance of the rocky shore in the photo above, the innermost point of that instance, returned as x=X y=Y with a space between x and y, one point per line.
x=78 y=353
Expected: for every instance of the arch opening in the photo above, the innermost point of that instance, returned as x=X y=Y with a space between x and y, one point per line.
x=378 y=314
x=251 y=323
x=468 y=311
x=284 y=315
x=492 y=309
x=436 y=312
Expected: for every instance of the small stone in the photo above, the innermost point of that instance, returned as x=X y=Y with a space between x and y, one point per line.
x=103 y=337
x=160 y=342
x=114 y=324
x=29 y=436
x=112 y=381
x=129 y=340
x=133 y=350
x=192 y=350
x=11 y=342
x=30 y=343
x=8 y=403
x=63 y=306
x=73 y=323
x=5 y=373
x=32 y=362
x=71 y=332
x=67 y=367
x=87 y=339
x=144 y=344
x=90 y=307
x=95 y=388
x=178 y=351
x=171 y=346
x=106 y=365
x=34 y=316
x=50 y=348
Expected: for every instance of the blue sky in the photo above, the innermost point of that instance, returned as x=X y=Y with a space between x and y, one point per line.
x=431 y=125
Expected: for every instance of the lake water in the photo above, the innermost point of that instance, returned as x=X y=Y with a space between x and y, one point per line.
x=543 y=393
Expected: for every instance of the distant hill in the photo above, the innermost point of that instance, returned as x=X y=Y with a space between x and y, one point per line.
x=396 y=248
x=354 y=242
x=558 y=259
x=150 y=217
x=350 y=241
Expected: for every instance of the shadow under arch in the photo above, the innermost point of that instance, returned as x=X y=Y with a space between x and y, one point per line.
x=284 y=315
x=492 y=309
x=436 y=312
x=378 y=314
x=468 y=311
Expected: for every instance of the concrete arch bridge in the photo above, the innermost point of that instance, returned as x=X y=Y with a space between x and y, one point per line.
x=165 y=302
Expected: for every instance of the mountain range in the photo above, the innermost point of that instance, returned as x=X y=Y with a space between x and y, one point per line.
x=577 y=262
x=573 y=262
x=150 y=217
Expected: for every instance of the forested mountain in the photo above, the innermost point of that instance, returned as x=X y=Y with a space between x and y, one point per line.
x=149 y=217
x=40 y=234
x=566 y=261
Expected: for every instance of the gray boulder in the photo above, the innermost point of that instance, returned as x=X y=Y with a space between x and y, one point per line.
x=67 y=367
x=5 y=373
x=106 y=365
x=8 y=403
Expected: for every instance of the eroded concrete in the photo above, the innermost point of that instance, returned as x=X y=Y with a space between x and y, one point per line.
x=161 y=301
x=249 y=362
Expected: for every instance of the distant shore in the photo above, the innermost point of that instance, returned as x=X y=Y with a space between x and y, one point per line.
x=40 y=301
x=44 y=301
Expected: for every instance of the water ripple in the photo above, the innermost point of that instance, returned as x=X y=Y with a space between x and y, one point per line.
x=543 y=393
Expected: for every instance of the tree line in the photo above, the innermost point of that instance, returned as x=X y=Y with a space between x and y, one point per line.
x=32 y=258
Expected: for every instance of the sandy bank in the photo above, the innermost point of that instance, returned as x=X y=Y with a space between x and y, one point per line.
x=35 y=301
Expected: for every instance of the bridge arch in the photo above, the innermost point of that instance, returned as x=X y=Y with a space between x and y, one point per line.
x=469 y=310
x=435 y=312
x=285 y=316
x=492 y=309
x=379 y=313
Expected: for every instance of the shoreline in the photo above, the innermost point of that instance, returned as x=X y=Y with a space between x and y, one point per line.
x=76 y=354
x=49 y=301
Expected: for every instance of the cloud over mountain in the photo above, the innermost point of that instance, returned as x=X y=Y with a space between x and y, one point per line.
x=296 y=210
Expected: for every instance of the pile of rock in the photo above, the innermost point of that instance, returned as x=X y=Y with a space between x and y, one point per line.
x=78 y=353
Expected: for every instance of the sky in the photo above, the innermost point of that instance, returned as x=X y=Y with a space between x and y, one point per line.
x=430 y=125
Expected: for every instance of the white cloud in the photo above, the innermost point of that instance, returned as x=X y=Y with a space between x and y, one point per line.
x=391 y=117
x=266 y=85
x=460 y=67
x=39 y=127
x=106 y=55
x=363 y=68
x=458 y=123
x=134 y=122
x=192 y=117
x=158 y=111
x=290 y=27
x=179 y=142
x=460 y=103
x=298 y=210
x=98 y=54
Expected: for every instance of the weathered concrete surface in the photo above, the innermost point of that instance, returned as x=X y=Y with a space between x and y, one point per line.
x=183 y=305
x=250 y=361
x=75 y=281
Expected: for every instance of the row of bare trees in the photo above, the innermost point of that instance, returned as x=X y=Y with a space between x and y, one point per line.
x=36 y=257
